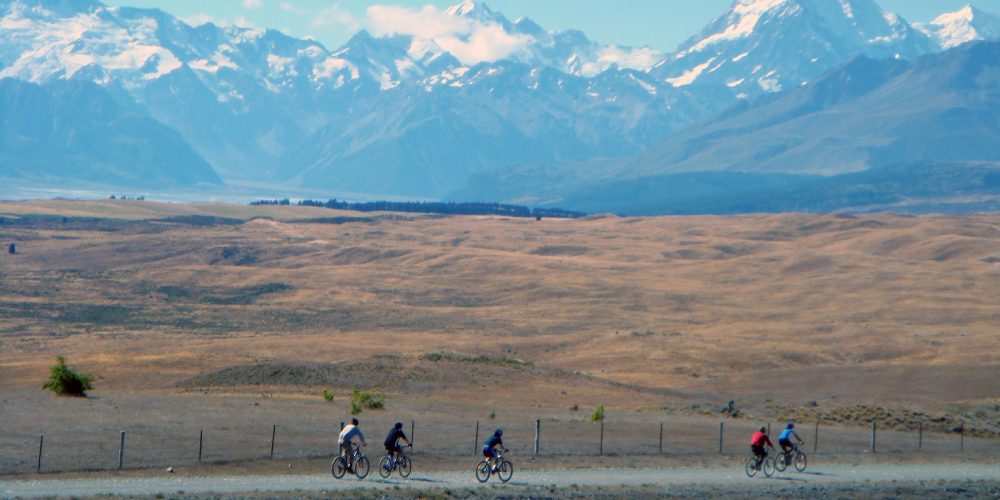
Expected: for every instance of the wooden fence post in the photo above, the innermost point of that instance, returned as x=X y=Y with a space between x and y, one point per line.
x=920 y=437
x=201 y=441
x=661 y=437
x=475 y=443
x=722 y=426
x=600 y=450
x=874 y=427
x=412 y=425
x=961 y=432
x=121 y=451
x=274 y=430
x=538 y=433
x=41 y=441
x=816 y=438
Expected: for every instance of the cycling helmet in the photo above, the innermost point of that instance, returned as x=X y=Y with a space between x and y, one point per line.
x=399 y=425
x=354 y=421
x=790 y=426
x=763 y=429
x=498 y=432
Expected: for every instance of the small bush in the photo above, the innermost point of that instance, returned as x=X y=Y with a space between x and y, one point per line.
x=598 y=415
x=574 y=408
x=63 y=381
x=371 y=400
x=493 y=415
x=327 y=396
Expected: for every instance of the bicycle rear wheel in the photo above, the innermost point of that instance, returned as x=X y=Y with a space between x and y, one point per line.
x=404 y=466
x=781 y=462
x=385 y=467
x=339 y=467
x=361 y=467
x=769 y=466
x=483 y=471
x=800 y=461
x=751 y=467
x=506 y=471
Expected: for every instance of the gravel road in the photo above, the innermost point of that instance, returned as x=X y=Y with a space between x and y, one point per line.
x=712 y=476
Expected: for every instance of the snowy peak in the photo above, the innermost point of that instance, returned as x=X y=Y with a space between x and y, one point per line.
x=772 y=45
x=964 y=25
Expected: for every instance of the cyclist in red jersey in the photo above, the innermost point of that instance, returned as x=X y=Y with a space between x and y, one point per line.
x=757 y=444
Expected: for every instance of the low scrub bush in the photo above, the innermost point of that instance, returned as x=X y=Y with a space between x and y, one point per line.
x=63 y=381
x=598 y=415
x=370 y=400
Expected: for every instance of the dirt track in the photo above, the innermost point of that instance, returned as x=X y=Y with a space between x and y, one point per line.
x=694 y=479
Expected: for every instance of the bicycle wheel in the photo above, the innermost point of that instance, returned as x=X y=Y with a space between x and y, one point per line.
x=506 y=471
x=339 y=467
x=781 y=462
x=361 y=467
x=751 y=467
x=800 y=461
x=769 y=466
x=404 y=466
x=483 y=471
x=385 y=467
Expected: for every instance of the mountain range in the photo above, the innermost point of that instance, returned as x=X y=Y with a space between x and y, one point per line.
x=556 y=114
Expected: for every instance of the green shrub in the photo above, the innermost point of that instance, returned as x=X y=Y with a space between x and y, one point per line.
x=598 y=415
x=493 y=415
x=371 y=400
x=328 y=396
x=63 y=381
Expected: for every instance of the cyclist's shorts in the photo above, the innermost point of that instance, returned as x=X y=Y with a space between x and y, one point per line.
x=393 y=449
x=488 y=452
x=785 y=442
x=759 y=451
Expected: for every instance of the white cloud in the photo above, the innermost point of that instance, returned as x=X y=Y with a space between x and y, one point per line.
x=332 y=16
x=200 y=19
x=470 y=41
x=640 y=59
x=253 y=4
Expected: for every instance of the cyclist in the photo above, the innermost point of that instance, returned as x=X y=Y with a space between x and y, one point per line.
x=757 y=443
x=346 y=439
x=785 y=439
x=392 y=441
x=489 y=448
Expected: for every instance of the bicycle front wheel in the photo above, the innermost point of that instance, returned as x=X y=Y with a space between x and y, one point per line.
x=751 y=467
x=781 y=462
x=800 y=461
x=506 y=471
x=339 y=467
x=361 y=467
x=483 y=471
x=385 y=467
x=404 y=466
x=769 y=466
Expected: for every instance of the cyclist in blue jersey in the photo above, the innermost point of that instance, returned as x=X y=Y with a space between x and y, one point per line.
x=489 y=448
x=785 y=439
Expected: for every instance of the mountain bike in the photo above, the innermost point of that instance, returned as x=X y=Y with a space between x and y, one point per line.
x=767 y=464
x=504 y=469
x=359 y=465
x=400 y=463
x=782 y=460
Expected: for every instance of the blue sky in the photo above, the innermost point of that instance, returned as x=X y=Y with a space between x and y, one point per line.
x=661 y=24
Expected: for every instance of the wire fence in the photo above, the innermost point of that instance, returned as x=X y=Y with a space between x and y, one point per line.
x=109 y=447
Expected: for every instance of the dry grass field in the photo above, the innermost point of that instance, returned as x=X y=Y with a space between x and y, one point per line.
x=881 y=315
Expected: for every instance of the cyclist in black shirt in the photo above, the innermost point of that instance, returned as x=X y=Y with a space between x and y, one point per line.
x=392 y=440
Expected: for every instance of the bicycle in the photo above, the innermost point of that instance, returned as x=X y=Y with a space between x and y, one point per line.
x=504 y=469
x=399 y=463
x=796 y=457
x=767 y=464
x=359 y=465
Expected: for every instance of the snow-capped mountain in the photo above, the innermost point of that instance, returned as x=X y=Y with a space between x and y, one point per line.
x=964 y=25
x=428 y=98
x=762 y=46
